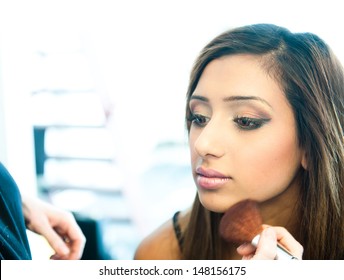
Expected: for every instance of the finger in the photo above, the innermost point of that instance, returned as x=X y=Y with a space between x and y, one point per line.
x=267 y=245
x=246 y=249
x=56 y=241
x=285 y=239
x=74 y=238
x=76 y=249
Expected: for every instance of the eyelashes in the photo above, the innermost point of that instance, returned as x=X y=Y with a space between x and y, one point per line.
x=198 y=119
x=242 y=122
x=248 y=123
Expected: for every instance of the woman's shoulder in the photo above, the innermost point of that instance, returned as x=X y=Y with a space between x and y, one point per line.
x=161 y=244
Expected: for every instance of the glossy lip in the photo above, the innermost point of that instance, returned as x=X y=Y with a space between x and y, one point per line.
x=210 y=179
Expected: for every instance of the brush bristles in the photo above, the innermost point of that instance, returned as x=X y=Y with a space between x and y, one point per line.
x=241 y=222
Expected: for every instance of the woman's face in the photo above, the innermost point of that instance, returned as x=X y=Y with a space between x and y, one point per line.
x=243 y=137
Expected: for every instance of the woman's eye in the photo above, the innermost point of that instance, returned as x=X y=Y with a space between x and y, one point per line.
x=198 y=119
x=247 y=123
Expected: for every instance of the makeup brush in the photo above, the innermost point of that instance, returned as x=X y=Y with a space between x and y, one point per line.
x=242 y=223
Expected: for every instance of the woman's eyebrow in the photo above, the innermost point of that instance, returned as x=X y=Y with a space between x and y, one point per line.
x=245 y=97
x=233 y=98
x=199 y=97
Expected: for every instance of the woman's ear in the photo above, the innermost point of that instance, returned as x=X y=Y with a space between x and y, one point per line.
x=304 y=160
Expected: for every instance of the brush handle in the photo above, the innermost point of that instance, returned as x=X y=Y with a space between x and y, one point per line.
x=282 y=254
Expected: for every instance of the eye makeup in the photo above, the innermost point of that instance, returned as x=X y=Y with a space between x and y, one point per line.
x=247 y=112
x=198 y=119
x=248 y=123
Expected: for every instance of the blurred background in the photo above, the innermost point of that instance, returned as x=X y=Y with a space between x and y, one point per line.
x=92 y=98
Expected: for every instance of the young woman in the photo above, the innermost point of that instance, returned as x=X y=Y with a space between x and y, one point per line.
x=265 y=116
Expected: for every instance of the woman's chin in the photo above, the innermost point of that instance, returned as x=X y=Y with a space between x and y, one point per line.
x=220 y=202
x=217 y=206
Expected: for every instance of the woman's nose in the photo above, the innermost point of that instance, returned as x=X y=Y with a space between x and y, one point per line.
x=210 y=141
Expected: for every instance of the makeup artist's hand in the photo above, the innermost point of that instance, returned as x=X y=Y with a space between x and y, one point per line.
x=267 y=245
x=58 y=226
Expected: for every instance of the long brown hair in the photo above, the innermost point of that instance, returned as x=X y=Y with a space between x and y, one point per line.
x=312 y=79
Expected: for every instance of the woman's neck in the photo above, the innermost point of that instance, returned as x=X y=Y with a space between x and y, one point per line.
x=282 y=210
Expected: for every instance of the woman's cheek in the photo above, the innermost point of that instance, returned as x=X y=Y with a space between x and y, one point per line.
x=269 y=170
